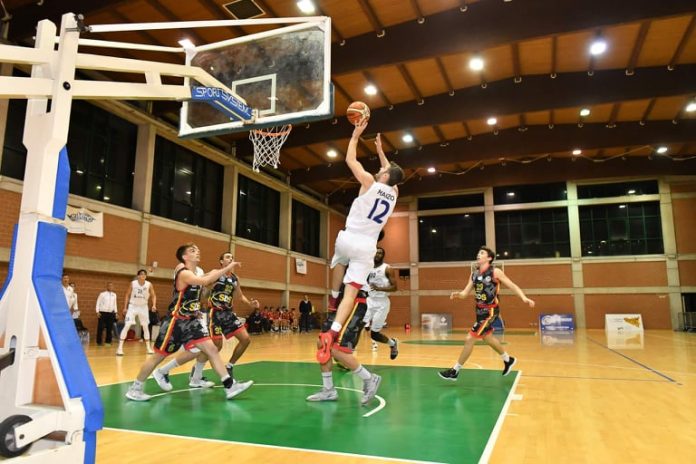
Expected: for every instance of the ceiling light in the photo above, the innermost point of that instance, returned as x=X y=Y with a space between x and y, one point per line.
x=408 y=138
x=584 y=112
x=691 y=107
x=476 y=63
x=661 y=150
x=631 y=191
x=511 y=194
x=186 y=43
x=332 y=153
x=431 y=170
x=491 y=121
x=370 y=89
x=598 y=47
x=577 y=152
x=434 y=231
x=622 y=206
x=107 y=198
x=306 y=6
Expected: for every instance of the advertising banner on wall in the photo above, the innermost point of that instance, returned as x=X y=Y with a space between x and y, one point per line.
x=556 y=322
x=300 y=266
x=436 y=321
x=84 y=221
x=623 y=323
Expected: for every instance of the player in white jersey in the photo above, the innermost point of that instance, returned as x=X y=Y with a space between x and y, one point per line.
x=137 y=300
x=354 y=254
x=381 y=281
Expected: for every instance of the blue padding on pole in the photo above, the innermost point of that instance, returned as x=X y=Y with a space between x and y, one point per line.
x=46 y=276
x=60 y=200
x=10 y=266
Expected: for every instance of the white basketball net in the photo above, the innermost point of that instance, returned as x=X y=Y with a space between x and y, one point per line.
x=267 y=143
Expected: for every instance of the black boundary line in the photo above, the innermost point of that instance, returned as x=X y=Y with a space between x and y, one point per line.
x=635 y=362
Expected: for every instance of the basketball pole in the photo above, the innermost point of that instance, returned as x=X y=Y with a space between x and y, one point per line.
x=35 y=323
x=50 y=400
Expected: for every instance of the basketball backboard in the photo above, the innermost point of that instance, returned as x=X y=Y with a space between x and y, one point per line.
x=284 y=74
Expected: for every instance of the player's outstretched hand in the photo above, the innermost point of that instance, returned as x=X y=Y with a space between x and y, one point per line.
x=378 y=143
x=530 y=302
x=359 y=128
x=454 y=295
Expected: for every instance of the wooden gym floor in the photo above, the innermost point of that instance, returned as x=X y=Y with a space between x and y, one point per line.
x=577 y=399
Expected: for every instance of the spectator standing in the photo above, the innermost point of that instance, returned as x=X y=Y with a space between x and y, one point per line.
x=305 y=312
x=107 y=310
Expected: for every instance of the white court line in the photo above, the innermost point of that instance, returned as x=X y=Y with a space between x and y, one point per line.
x=259 y=445
x=382 y=401
x=499 y=423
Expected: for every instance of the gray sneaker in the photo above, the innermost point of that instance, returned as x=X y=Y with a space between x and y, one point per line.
x=201 y=383
x=162 y=380
x=238 y=388
x=370 y=387
x=325 y=394
x=137 y=394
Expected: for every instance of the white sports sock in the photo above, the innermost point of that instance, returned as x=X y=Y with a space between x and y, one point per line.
x=336 y=327
x=362 y=373
x=198 y=370
x=505 y=357
x=327 y=380
x=169 y=366
x=335 y=294
x=137 y=384
x=391 y=342
x=457 y=367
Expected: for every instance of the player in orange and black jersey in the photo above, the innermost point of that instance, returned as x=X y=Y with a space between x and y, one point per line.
x=485 y=281
x=184 y=326
x=223 y=321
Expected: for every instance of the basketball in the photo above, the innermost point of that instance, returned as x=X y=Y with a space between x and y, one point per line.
x=357 y=112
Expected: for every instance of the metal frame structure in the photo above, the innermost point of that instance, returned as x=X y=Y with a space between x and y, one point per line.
x=37 y=334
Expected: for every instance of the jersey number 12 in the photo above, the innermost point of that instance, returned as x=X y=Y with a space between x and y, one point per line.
x=383 y=212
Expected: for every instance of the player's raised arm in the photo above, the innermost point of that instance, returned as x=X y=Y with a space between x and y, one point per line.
x=383 y=161
x=365 y=178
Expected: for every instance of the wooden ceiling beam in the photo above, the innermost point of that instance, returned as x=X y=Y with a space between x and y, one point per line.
x=417 y=95
x=682 y=43
x=512 y=143
x=372 y=17
x=637 y=47
x=169 y=16
x=488 y=24
x=536 y=93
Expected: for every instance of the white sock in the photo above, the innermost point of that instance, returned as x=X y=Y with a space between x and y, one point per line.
x=362 y=373
x=137 y=384
x=198 y=370
x=169 y=366
x=327 y=380
x=505 y=357
x=391 y=342
x=336 y=327
x=335 y=294
x=120 y=345
x=147 y=344
x=457 y=367
x=229 y=365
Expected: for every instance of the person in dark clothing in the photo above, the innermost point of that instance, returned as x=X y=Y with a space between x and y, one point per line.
x=305 y=312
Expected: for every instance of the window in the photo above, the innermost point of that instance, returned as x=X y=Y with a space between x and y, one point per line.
x=101 y=150
x=186 y=187
x=621 y=229
x=452 y=201
x=451 y=237
x=529 y=193
x=305 y=229
x=14 y=155
x=539 y=233
x=648 y=187
x=258 y=212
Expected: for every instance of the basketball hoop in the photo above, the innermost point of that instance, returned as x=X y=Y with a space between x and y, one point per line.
x=267 y=143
